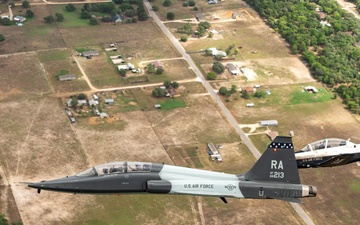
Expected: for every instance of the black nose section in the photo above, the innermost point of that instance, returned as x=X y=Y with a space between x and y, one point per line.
x=38 y=186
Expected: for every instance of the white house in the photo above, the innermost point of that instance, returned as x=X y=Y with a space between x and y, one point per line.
x=19 y=19
x=123 y=67
x=232 y=69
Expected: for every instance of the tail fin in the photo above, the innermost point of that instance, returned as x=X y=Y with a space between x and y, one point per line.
x=277 y=164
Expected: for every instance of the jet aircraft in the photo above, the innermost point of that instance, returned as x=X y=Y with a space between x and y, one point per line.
x=274 y=176
x=327 y=153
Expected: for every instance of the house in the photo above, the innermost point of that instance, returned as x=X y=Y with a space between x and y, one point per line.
x=109 y=101
x=249 y=90
x=200 y=17
x=131 y=66
x=90 y=53
x=82 y=102
x=157 y=64
x=93 y=102
x=123 y=67
x=232 y=69
x=19 y=19
x=269 y=123
x=95 y=97
x=67 y=77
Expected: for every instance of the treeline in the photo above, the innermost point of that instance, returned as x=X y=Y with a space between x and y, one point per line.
x=329 y=47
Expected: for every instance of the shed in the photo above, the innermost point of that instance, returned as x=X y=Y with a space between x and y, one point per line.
x=103 y=115
x=123 y=67
x=310 y=89
x=250 y=105
x=157 y=106
x=270 y=123
x=72 y=119
x=109 y=101
x=67 y=77
x=90 y=53
x=212 y=149
x=19 y=19
x=232 y=69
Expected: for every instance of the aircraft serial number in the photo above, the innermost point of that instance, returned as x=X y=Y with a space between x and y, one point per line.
x=198 y=186
x=274 y=174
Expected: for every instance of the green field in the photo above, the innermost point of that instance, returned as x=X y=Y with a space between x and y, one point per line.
x=172 y=103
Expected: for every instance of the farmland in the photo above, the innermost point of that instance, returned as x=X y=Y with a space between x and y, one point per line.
x=38 y=142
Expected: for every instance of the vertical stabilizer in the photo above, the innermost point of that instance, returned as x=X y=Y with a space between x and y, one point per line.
x=277 y=164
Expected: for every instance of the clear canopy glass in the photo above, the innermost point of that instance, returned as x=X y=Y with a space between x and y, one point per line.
x=116 y=168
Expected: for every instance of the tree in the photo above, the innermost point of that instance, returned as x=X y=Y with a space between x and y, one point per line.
x=205 y=25
x=3 y=220
x=59 y=17
x=245 y=95
x=82 y=96
x=192 y=3
x=29 y=14
x=143 y=16
x=93 y=21
x=5 y=21
x=25 y=4
x=223 y=91
x=122 y=72
x=170 y=16
x=151 y=68
x=49 y=19
x=211 y=76
x=159 y=70
x=260 y=94
x=70 y=8
x=175 y=84
x=167 y=3
x=167 y=84
x=218 y=67
x=12 y=4
x=159 y=92
x=184 y=38
x=2 y=37
x=74 y=102
x=85 y=15
x=155 y=8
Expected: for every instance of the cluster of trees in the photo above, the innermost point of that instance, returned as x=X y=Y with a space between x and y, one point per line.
x=151 y=69
x=25 y=4
x=202 y=27
x=132 y=9
x=160 y=92
x=189 y=3
x=244 y=94
x=5 y=21
x=218 y=67
x=329 y=51
x=59 y=17
x=2 y=37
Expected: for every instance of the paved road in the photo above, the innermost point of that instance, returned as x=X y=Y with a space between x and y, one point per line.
x=297 y=207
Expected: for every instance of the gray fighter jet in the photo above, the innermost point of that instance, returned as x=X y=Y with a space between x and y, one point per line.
x=274 y=176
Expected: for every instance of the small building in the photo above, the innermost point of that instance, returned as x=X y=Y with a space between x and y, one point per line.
x=19 y=19
x=232 y=69
x=310 y=89
x=200 y=17
x=157 y=64
x=235 y=14
x=67 y=77
x=131 y=66
x=103 y=115
x=72 y=119
x=95 y=97
x=82 y=102
x=292 y=133
x=212 y=149
x=157 y=106
x=123 y=67
x=269 y=123
x=109 y=101
x=68 y=112
x=93 y=102
x=90 y=53
x=250 y=105
x=249 y=90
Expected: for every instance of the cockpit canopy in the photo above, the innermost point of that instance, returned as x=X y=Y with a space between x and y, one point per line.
x=325 y=143
x=116 y=168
